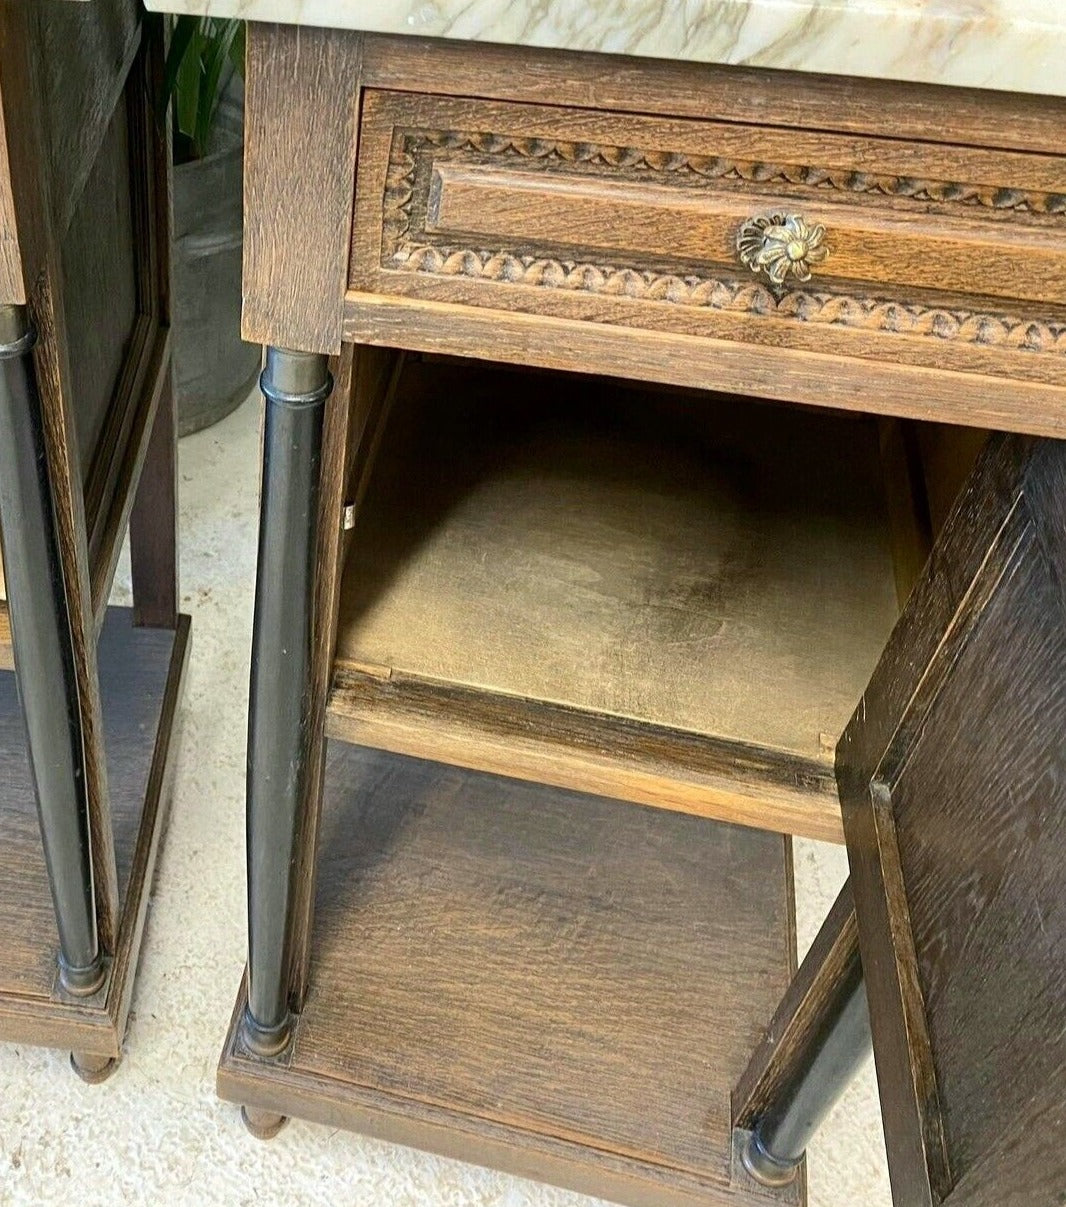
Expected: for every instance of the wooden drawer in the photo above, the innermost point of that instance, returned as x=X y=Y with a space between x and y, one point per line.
x=943 y=261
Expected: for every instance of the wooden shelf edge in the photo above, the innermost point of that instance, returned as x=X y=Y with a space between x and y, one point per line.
x=670 y=358
x=271 y=1086
x=532 y=740
x=153 y=823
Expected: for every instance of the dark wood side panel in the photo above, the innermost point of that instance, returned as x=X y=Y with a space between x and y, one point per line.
x=953 y=787
x=43 y=287
x=83 y=55
x=98 y=263
x=302 y=100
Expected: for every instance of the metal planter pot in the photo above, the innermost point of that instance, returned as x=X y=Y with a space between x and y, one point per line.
x=214 y=371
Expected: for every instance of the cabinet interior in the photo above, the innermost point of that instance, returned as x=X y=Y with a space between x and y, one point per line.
x=671 y=597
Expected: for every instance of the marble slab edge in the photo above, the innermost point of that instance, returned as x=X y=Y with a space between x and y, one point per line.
x=1011 y=45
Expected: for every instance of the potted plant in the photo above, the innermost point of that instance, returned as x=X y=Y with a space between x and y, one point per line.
x=213 y=369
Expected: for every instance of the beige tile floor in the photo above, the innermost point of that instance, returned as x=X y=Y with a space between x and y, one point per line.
x=155 y=1132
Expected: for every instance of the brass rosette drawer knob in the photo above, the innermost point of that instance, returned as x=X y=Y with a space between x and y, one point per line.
x=780 y=246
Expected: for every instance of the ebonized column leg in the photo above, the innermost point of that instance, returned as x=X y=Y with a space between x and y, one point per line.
x=154 y=522
x=296 y=386
x=44 y=655
x=831 y=1056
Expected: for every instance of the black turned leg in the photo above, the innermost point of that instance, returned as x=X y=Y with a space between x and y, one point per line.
x=296 y=386
x=44 y=655
x=831 y=1057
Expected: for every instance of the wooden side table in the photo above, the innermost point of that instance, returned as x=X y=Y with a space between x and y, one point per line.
x=653 y=615
x=87 y=447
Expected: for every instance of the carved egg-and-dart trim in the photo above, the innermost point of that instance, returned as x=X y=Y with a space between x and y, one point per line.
x=780 y=246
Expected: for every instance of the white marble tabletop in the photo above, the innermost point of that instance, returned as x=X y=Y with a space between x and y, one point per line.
x=1017 y=45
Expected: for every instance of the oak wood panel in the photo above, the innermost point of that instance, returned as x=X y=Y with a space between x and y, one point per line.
x=725 y=93
x=952 y=778
x=142 y=683
x=44 y=288
x=143 y=365
x=83 y=55
x=632 y=221
x=98 y=266
x=12 y=283
x=509 y=206
x=300 y=138
x=770 y=371
x=587 y=751
x=144 y=383
x=611 y=590
x=572 y=976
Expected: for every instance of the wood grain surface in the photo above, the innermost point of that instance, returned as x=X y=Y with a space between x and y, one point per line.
x=12 y=282
x=566 y=976
x=952 y=777
x=644 y=193
x=556 y=337
x=83 y=55
x=142 y=674
x=802 y=100
x=39 y=249
x=579 y=560
x=609 y=238
x=301 y=126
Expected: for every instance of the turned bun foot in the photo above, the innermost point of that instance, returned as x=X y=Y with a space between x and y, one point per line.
x=264 y=1125
x=93 y=1069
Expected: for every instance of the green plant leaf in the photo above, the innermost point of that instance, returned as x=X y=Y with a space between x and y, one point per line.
x=180 y=40
x=216 y=55
x=200 y=48
x=236 y=50
x=187 y=90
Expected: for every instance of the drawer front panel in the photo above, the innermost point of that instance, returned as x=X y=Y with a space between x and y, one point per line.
x=938 y=256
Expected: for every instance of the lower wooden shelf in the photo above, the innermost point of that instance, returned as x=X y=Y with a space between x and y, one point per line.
x=665 y=598
x=141 y=673
x=561 y=986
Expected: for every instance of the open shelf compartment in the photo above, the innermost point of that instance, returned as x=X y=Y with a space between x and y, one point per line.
x=562 y=986
x=667 y=598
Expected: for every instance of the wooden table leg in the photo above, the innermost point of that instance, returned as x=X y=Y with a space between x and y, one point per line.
x=44 y=655
x=816 y=1043
x=296 y=386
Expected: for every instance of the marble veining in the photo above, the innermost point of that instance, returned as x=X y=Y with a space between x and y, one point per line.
x=1017 y=45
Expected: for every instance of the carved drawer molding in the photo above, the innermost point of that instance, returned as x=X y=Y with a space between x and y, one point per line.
x=406 y=248
x=939 y=257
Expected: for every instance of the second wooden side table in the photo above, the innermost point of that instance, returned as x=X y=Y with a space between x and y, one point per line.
x=87 y=448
